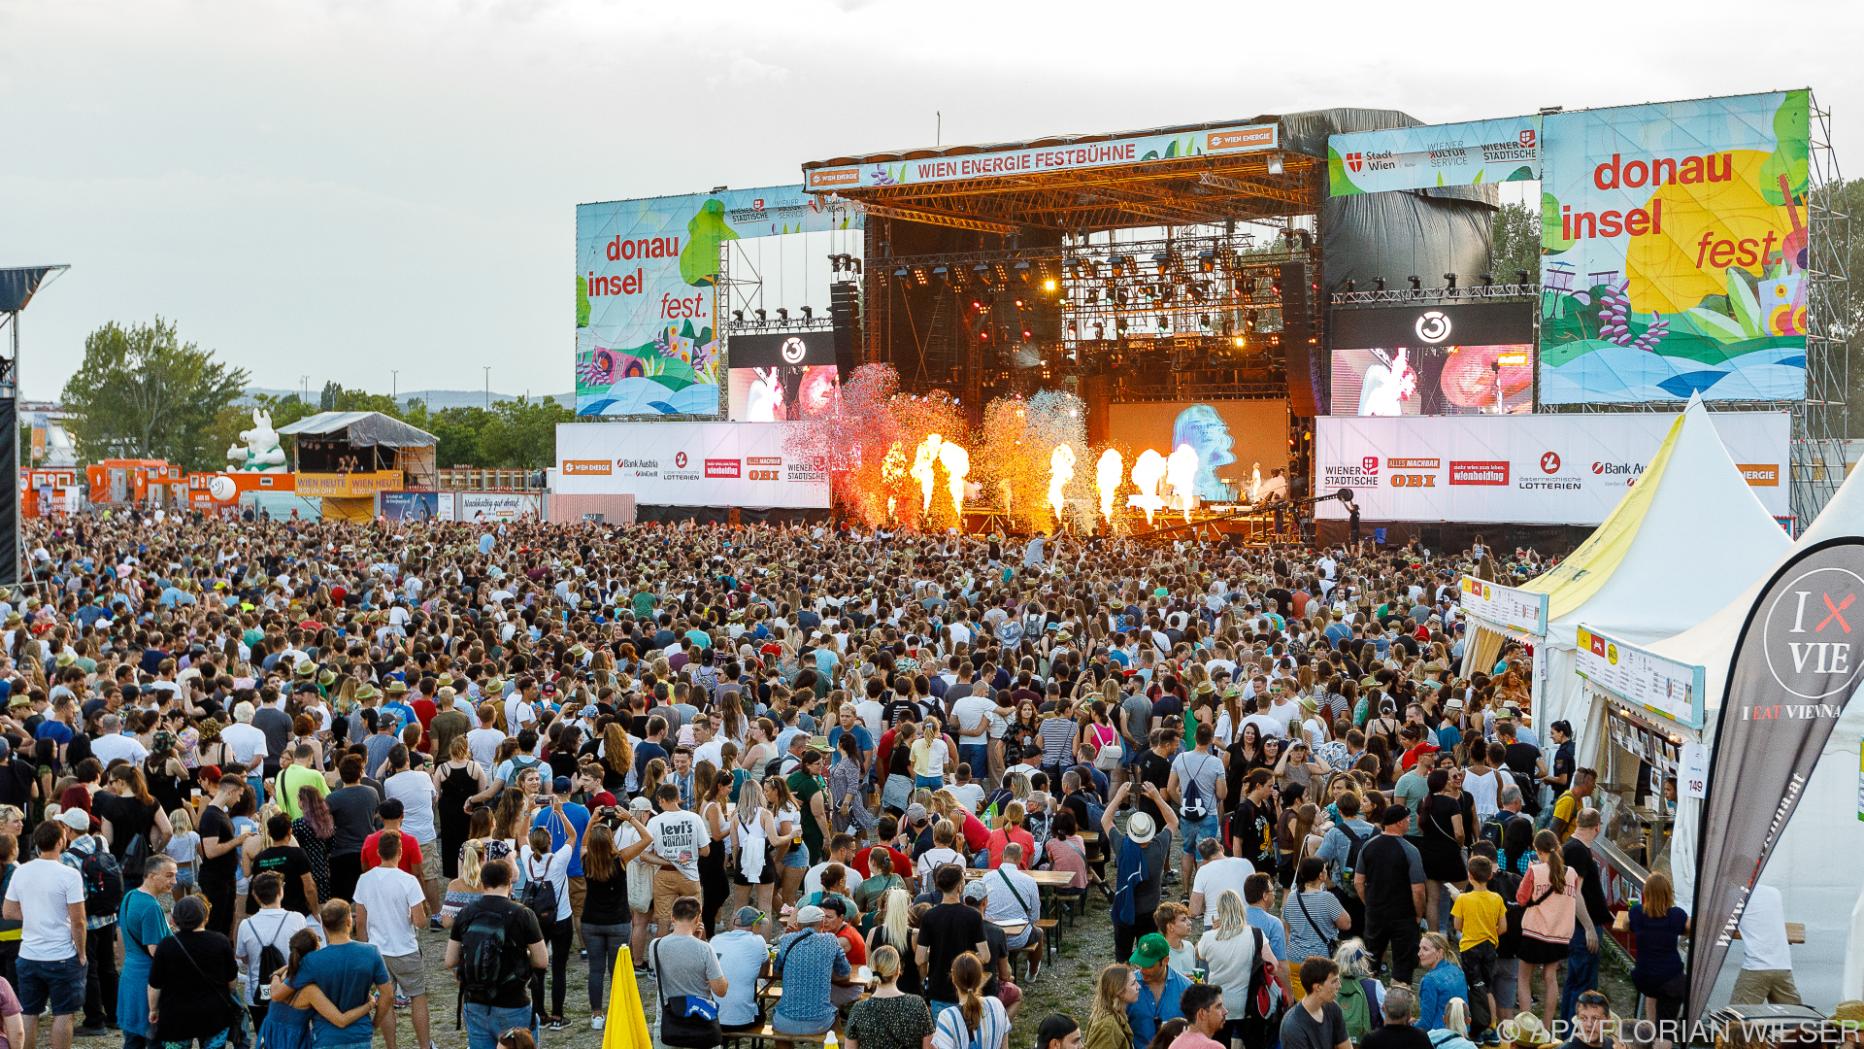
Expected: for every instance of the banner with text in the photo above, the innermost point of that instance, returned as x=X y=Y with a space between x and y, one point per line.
x=1521 y=469
x=1466 y=154
x=713 y=464
x=1136 y=149
x=1796 y=666
x=1641 y=677
x=1674 y=251
x=1522 y=611
x=499 y=506
x=646 y=329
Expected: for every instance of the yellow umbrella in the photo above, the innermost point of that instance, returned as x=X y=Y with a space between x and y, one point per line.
x=626 y=1027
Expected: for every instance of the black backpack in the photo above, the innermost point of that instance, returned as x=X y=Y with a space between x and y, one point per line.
x=135 y=861
x=103 y=877
x=486 y=968
x=540 y=896
x=1355 y=844
x=271 y=959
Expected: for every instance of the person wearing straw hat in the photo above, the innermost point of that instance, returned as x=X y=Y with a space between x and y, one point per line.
x=1143 y=856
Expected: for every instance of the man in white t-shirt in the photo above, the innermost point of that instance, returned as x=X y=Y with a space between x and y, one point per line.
x=521 y=708
x=971 y=714
x=390 y=908
x=484 y=740
x=417 y=793
x=1766 y=960
x=241 y=738
x=272 y=926
x=111 y=743
x=1216 y=873
x=51 y=950
x=680 y=839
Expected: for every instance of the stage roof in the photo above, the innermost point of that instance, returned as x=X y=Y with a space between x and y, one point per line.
x=1188 y=174
x=362 y=429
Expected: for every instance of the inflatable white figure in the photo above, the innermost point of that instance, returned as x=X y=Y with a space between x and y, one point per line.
x=957 y=463
x=1148 y=471
x=262 y=453
x=223 y=489
x=1181 y=476
x=1389 y=382
x=1107 y=473
x=925 y=461
x=1061 y=471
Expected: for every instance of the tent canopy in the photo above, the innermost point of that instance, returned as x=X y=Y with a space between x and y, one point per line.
x=362 y=429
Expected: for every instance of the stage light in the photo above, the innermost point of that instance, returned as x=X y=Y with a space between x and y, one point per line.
x=942 y=272
x=1022 y=272
x=1019 y=304
x=1207 y=262
x=783 y=314
x=1049 y=285
x=1074 y=268
x=1239 y=342
x=900 y=273
x=1119 y=267
x=977 y=304
x=1449 y=281
x=920 y=276
x=737 y=316
x=1487 y=279
x=761 y=317
x=1275 y=163
x=1164 y=262
x=983 y=336
x=982 y=272
x=1199 y=290
x=1378 y=283
x=1119 y=324
x=1026 y=334
x=808 y=313
x=1416 y=281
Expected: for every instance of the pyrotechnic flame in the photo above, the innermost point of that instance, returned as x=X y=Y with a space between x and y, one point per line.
x=892 y=473
x=925 y=462
x=1181 y=475
x=1061 y=471
x=1107 y=474
x=957 y=463
x=1009 y=496
x=1148 y=471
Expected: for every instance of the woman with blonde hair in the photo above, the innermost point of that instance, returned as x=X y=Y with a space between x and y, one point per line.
x=892 y=1017
x=932 y=753
x=1551 y=895
x=1453 y=1033
x=1107 y=1025
x=1228 y=950
x=753 y=836
x=893 y=929
x=1361 y=998
x=465 y=888
x=976 y=1022
x=1440 y=981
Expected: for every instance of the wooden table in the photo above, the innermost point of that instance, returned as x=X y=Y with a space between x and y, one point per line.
x=1043 y=879
x=1012 y=929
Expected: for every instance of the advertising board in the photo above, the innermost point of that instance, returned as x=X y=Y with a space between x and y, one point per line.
x=710 y=464
x=646 y=325
x=499 y=506
x=1522 y=469
x=1674 y=251
x=411 y=506
x=1523 y=611
x=1641 y=677
x=1467 y=154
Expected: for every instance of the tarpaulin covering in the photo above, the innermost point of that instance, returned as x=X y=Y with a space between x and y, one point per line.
x=1426 y=232
x=18 y=285
x=362 y=429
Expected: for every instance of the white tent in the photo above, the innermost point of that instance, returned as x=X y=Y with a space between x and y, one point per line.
x=1814 y=865
x=1688 y=537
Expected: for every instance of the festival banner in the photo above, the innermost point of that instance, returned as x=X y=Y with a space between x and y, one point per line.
x=499 y=506
x=1674 y=251
x=1521 y=469
x=1796 y=665
x=1512 y=608
x=711 y=464
x=1641 y=677
x=348 y=485
x=1133 y=149
x=410 y=506
x=646 y=324
x=1471 y=153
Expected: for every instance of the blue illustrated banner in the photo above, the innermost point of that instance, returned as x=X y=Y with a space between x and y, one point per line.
x=646 y=310
x=410 y=506
x=1472 y=153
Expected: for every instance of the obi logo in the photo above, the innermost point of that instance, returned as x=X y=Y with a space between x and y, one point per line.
x=1356 y=161
x=679 y=460
x=794 y=349
x=1412 y=480
x=1550 y=462
x=1526 y=137
x=1369 y=464
x=1433 y=326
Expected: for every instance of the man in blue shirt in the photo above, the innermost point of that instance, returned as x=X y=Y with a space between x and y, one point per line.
x=1160 y=988
x=1256 y=895
x=344 y=971
x=579 y=819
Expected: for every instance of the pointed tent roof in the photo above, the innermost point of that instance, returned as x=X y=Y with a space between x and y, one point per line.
x=1686 y=537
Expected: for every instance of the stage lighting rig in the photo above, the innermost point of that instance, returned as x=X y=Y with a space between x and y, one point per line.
x=1449 y=281
x=1417 y=283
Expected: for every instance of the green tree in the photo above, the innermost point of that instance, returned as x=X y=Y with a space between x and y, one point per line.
x=141 y=392
x=1515 y=233
x=521 y=433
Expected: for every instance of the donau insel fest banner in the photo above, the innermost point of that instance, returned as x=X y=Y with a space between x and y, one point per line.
x=1471 y=153
x=646 y=331
x=1674 y=251
x=1796 y=664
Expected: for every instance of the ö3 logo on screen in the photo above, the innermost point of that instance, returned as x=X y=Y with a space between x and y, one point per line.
x=794 y=350
x=1433 y=326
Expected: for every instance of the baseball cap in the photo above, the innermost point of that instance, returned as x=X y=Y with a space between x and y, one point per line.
x=812 y=915
x=1149 y=951
x=76 y=819
x=604 y=799
x=1394 y=814
x=915 y=813
x=976 y=890
x=745 y=917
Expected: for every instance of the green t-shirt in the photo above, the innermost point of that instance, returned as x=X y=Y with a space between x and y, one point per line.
x=804 y=786
x=643 y=604
x=294 y=779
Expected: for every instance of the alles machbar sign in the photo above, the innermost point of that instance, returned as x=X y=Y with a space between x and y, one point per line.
x=1137 y=149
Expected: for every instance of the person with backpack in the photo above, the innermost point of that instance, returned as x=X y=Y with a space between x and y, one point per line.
x=143 y=926
x=494 y=947
x=264 y=941
x=87 y=854
x=1196 y=784
x=1362 y=999
x=1340 y=850
x=546 y=891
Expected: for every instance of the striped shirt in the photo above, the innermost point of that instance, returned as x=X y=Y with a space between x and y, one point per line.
x=950 y=1031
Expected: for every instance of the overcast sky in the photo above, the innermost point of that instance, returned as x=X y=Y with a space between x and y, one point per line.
x=340 y=188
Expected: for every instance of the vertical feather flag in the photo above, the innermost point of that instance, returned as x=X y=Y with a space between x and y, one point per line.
x=626 y=1027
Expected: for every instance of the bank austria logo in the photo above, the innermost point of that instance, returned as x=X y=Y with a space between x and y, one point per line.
x=1609 y=469
x=1810 y=637
x=1433 y=326
x=794 y=350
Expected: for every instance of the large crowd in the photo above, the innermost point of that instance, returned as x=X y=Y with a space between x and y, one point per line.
x=247 y=763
